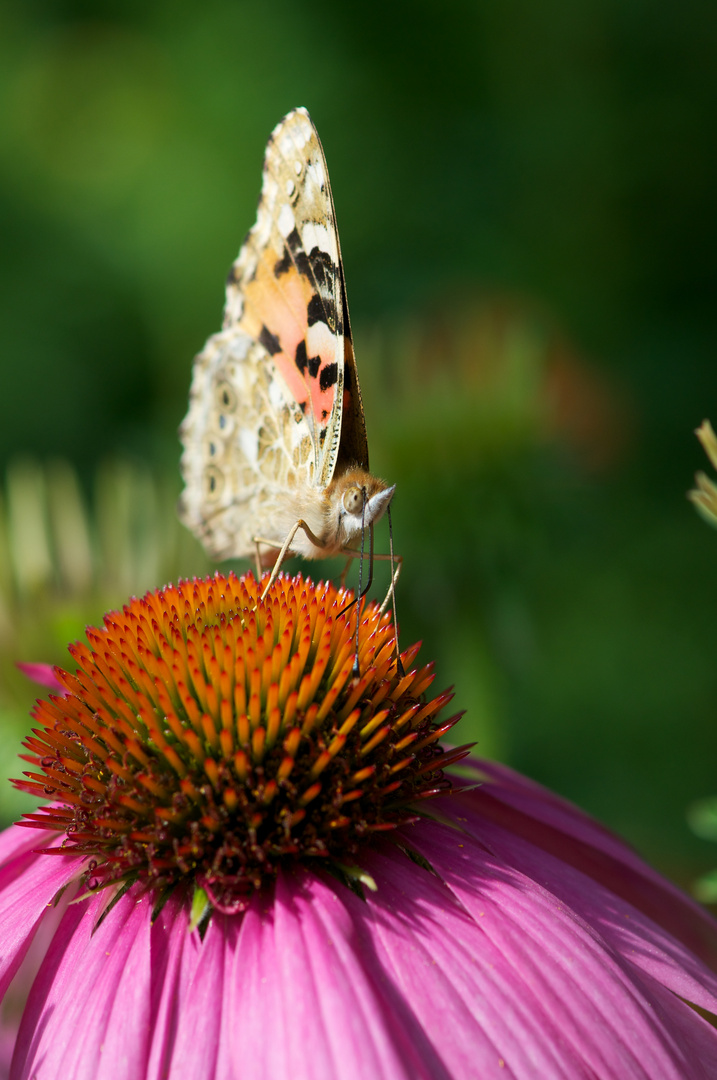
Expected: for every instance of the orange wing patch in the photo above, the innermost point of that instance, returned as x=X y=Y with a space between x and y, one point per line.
x=304 y=351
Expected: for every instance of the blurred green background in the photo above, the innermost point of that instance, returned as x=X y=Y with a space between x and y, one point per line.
x=526 y=196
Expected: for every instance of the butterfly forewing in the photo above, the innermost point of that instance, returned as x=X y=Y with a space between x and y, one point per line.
x=286 y=284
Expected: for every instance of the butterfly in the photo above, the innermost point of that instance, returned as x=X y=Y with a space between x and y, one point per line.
x=275 y=448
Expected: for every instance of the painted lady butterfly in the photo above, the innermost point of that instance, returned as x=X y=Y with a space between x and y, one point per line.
x=274 y=441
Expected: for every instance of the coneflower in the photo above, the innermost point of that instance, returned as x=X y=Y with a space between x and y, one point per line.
x=254 y=864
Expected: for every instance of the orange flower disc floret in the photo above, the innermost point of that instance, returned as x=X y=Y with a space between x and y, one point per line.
x=210 y=735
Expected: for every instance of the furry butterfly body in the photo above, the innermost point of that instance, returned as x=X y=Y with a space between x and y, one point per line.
x=275 y=438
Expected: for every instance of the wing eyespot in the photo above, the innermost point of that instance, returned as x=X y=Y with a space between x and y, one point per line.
x=213 y=479
x=225 y=396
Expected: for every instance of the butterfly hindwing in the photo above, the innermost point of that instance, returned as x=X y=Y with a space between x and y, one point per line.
x=246 y=444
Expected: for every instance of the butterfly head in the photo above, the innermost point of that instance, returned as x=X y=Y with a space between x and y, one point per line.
x=359 y=500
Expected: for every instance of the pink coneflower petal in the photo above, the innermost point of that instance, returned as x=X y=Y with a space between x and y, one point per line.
x=450 y=976
x=623 y=927
x=252 y=989
x=555 y=825
x=14 y=841
x=88 y=1015
x=695 y=1037
x=28 y=885
x=588 y=977
x=199 y=1011
x=362 y=1040
x=43 y=675
x=296 y=960
x=175 y=955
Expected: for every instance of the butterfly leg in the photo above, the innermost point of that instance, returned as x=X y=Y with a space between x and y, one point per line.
x=285 y=549
x=398 y=560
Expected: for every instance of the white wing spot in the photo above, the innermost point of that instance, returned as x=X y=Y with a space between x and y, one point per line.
x=285 y=220
x=250 y=446
x=315 y=172
x=297 y=168
x=290 y=187
x=315 y=235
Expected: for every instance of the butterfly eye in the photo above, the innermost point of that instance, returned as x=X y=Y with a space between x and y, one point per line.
x=353 y=500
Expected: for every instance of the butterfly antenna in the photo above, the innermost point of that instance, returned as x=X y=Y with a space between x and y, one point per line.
x=399 y=665
x=360 y=593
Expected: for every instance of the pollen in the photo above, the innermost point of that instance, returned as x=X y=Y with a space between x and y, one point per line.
x=209 y=736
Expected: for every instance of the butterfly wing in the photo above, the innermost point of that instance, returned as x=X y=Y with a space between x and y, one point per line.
x=287 y=288
x=269 y=392
x=246 y=446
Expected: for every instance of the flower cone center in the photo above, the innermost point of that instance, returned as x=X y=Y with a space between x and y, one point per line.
x=208 y=734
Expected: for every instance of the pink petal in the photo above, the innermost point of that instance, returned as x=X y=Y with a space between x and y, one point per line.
x=480 y=1013
x=88 y=1016
x=252 y=991
x=697 y=1035
x=43 y=675
x=296 y=968
x=586 y=999
x=28 y=884
x=555 y=825
x=198 y=1009
x=513 y=958
x=624 y=928
x=175 y=955
x=17 y=839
